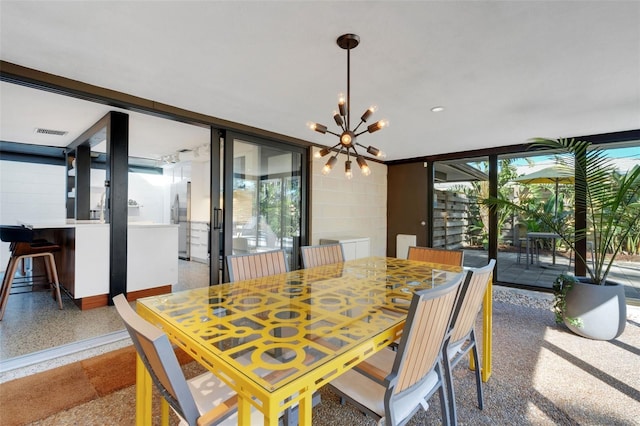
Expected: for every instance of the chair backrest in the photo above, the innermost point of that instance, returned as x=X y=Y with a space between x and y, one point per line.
x=155 y=350
x=324 y=254
x=435 y=255
x=421 y=343
x=470 y=301
x=256 y=265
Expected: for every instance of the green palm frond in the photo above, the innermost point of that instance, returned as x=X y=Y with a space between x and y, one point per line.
x=612 y=202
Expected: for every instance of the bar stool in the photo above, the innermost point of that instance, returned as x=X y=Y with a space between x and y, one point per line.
x=23 y=246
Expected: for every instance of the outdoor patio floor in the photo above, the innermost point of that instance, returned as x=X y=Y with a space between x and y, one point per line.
x=543 y=274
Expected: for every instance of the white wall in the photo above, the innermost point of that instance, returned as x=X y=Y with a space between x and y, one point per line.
x=343 y=208
x=36 y=193
x=30 y=192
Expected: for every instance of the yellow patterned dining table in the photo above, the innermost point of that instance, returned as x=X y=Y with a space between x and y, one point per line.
x=278 y=339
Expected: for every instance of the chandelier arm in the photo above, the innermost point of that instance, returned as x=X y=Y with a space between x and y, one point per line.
x=358 y=134
x=359 y=124
x=333 y=133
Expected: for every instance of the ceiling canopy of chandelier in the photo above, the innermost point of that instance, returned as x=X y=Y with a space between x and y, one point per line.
x=342 y=117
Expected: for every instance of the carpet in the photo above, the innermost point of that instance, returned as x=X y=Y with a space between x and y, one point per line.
x=38 y=396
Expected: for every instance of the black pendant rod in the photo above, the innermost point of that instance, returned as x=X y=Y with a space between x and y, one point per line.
x=349 y=89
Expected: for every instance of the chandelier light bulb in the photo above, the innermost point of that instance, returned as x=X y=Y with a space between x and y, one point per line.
x=375 y=151
x=368 y=112
x=377 y=126
x=327 y=167
x=338 y=118
x=317 y=127
x=342 y=104
x=347 y=170
x=364 y=167
x=346 y=139
x=322 y=152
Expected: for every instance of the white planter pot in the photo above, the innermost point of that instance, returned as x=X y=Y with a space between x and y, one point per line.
x=601 y=308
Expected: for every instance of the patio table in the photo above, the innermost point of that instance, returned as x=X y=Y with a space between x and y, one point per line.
x=532 y=236
x=276 y=340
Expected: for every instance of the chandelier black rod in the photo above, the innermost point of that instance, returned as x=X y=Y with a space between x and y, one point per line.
x=349 y=88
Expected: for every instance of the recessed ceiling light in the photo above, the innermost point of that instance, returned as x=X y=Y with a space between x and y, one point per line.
x=437 y=109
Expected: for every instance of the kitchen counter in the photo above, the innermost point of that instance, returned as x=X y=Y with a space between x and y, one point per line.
x=83 y=262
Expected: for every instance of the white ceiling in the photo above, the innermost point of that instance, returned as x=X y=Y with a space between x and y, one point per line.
x=505 y=71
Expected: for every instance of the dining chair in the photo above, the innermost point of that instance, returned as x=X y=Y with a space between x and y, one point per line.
x=436 y=255
x=324 y=254
x=202 y=400
x=395 y=385
x=462 y=337
x=256 y=265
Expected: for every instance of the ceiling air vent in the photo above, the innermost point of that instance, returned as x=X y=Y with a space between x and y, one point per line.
x=50 y=132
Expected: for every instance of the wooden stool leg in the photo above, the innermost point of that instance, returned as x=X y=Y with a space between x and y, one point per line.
x=54 y=272
x=7 y=283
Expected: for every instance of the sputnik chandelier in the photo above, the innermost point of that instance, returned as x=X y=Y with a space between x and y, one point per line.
x=342 y=118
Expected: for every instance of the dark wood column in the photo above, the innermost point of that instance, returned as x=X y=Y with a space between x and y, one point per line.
x=407 y=203
x=117 y=179
x=83 y=182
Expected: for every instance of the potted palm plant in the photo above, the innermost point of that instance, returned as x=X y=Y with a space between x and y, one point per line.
x=592 y=306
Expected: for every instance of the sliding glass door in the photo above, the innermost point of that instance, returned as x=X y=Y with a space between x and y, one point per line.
x=266 y=197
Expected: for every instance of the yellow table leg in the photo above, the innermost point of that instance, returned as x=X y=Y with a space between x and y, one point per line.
x=164 y=412
x=143 y=394
x=244 y=411
x=487 y=330
x=487 y=327
x=305 y=406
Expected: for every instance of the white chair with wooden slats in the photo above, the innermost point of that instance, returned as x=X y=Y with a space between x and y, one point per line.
x=462 y=337
x=324 y=254
x=202 y=400
x=256 y=265
x=436 y=255
x=394 y=385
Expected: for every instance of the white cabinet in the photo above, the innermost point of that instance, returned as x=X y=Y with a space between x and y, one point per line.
x=353 y=247
x=199 y=242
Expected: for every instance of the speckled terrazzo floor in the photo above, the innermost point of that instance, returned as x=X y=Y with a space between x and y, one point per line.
x=542 y=375
x=33 y=322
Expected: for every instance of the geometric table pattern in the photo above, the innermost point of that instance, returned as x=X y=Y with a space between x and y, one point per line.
x=277 y=339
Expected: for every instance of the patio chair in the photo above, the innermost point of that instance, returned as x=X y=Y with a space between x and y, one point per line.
x=436 y=255
x=201 y=400
x=413 y=373
x=462 y=338
x=324 y=254
x=256 y=265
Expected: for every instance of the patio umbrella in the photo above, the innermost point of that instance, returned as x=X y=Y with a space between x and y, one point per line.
x=557 y=174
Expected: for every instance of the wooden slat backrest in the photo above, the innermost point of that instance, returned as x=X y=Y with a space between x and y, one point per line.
x=427 y=324
x=256 y=265
x=325 y=254
x=471 y=301
x=435 y=255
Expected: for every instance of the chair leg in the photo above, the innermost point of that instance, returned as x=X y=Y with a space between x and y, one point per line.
x=443 y=391
x=7 y=283
x=452 y=418
x=477 y=370
x=54 y=273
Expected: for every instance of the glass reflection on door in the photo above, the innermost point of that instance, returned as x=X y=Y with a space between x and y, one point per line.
x=266 y=199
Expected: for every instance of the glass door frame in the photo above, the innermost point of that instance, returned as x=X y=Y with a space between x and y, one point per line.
x=229 y=137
